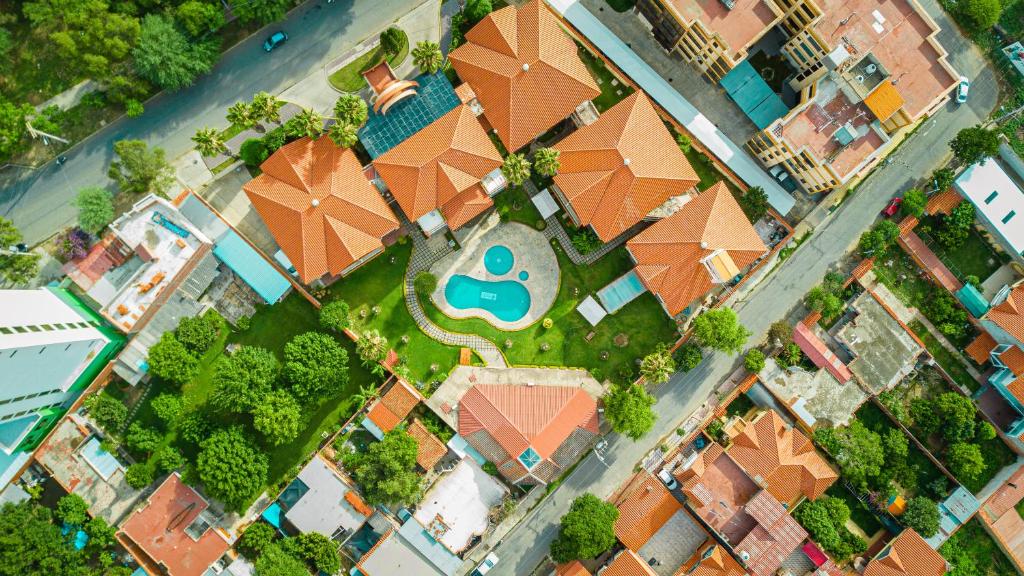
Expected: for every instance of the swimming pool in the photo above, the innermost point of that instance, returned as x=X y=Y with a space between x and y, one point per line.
x=498 y=260
x=621 y=291
x=508 y=300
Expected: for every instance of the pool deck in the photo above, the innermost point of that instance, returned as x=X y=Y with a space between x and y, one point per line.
x=532 y=254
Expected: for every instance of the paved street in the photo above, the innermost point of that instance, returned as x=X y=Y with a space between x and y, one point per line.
x=39 y=200
x=527 y=545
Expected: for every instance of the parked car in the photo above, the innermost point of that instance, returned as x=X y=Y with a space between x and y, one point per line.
x=275 y=40
x=892 y=208
x=667 y=478
x=489 y=562
x=961 y=90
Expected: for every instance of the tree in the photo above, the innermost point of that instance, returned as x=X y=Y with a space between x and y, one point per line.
x=102 y=535
x=976 y=143
x=139 y=169
x=167 y=408
x=351 y=109
x=956 y=413
x=169 y=360
x=780 y=333
x=306 y=123
x=33 y=544
x=170 y=459
x=476 y=10
x=90 y=38
x=334 y=316
x=985 y=432
x=316 y=549
x=13 y=133
x=231 y=468
x=922 y=514
x=278 y=417
x=72 y=509
x=315 y=365
x=859 y=453
x=879 y=239
x=914 y=201
x=979 y=15
x=821 y=300
x=754 y=203
x=825 y=520
x=255 y=539
x=688 y=356
x=168 y=58
x=19 y=267
x=141 y=439
x=545 y=161
x=107 y=411
x=198 y=333
x=242 y=380
x=754 y=361
x=628 y=408
x=243 y=114
x=387 y=470
x=266 y=107
x=658 y=366
x=95 y=209
x=516 y=169
x=261 y=11
x=391 y=41
x=957 y=225
x=138 y=475
x=199 y=18
x=720 y=329
x=253 y=152
x=424 y=284
x=343 y=135
x=372 y=347
x=274 y=561
x=208 y=142
x=943 y=178
x=587 y=529
x=966 y=461
x=194 y=427
x=426 y=55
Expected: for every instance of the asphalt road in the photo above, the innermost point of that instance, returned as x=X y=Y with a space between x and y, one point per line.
x=39 y=201
x=523 y=549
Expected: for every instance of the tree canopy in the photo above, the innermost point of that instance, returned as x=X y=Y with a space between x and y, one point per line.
x=975 y=143
x=387 y=470
x=33 y=544
x=170 y=59
x=516 y=169
x=391 y=40
x=275 y=561
x=914 y=201
x=231 y=468
x=198 y=333
x=426 y=55
x=351 y=109
x=334 y=316
x=318 y=550
x=545 y=161
x=658 y=366
x=278 y=416
x=73 y=509
x=754 y=361
x=858 y=450
x=169 y=360
x=966 y=461
x=629 y=409
x=978 y=15
x=95 y=209
x=244 y=378
x=13 y=133
x=255 y=539
x=922 y=514
x=586 y=530
x=261 y=11
x=825 y=520
x=198 y=17
x=720 y=329
x=107 y=411
x=89 y=36
x=17 y=268
x=139 y=169
x=754 y=203
x=315 y=365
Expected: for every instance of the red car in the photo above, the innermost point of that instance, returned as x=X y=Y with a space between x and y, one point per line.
x=892 y=208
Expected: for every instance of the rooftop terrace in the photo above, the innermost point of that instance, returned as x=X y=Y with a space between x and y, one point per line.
x=885 y=351
x=740 y=26
x=816 y=397
x=457 y=506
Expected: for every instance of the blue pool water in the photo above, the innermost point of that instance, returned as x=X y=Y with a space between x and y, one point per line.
x=621 y=291
x=498 y=260
x=508 y=300
x=524 y=275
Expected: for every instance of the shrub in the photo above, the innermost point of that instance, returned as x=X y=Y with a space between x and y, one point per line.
x=138 y=476
x=253 y=152
x=922 y=514
x=780 y=333
x=547 y=323
x=198 y=333
x=95 y=209
x=109 y=412
x=72 y=244
x=167 y=408
x=391 y=41
x=585 y=240
x=255 y=539
x=754 y=361
x=425 y=284
x=688 y=356
x=335 y=316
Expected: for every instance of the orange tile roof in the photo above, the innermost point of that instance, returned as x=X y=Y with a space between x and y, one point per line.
x=573 y=568
x=719 y=563
x=357 y=503
x=627 y=563
x=943 y=202
x=524 y=70
x=467 y=205
x=884 y=101
x=517 y=417
x=1006 y=497
x=1013 y=358
x=319 y=207
x=394 y=406
x=643 y=510
x=621 y=167
x=982 y=346
x=783 y=457
x=1009 y=314
x=433 y=168
x=430 y=449
x=907 y=555
x=671 y=254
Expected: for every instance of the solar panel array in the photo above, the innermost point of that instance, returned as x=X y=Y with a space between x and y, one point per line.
x=434 y=98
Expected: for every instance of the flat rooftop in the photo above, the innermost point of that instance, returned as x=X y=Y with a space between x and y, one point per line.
x=675 y=542
x=459 y=503
x=997 y=197
x=815 y=394
x=323 y=508
x=884 y=350
x=739 y=27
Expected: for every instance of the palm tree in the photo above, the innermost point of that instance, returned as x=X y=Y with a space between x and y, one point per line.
x=343 y=134
x=545 y=161
x=308 y=123
x=516 y=169
x=427 y=56
x=242 y=114
x=208 y=142
x=351 y=109
x=265 y=107
x=365 y=394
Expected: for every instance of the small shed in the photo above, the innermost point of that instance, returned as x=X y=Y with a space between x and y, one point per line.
x=243 y=259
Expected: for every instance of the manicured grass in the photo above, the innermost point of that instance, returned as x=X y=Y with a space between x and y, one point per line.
x=950 y=363
x=609 y=94
x=519 y=207
x=859 y=513
x=972 y=552
x=972 y=258
x=349 y=78
x=381 y=283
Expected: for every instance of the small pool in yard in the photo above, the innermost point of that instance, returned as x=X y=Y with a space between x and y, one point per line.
x=498 y=260
x=508 y=300
x=621 y=291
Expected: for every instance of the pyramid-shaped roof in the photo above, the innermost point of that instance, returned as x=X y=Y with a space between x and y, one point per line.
x=525 y=71
x=323 y=213
x=1009 y=314
x=440 y=167
x=679 y=257
x=907 y=555
x=618 y=169
x=520 y=417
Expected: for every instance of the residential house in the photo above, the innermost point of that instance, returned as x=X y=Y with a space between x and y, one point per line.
x=430 y=449
x=407 y=549
x=880 y=350
x=391 y=408
x=994 y=188
x=524 y=70
x=999 y=516
x=907 y=555
x=322 y=500
x=614 y=172
x=1002 y=343
x=456 y=509
x=711 y=560
x=627 y=563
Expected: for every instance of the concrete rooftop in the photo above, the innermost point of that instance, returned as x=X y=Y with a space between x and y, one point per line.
x=740 y=27
x=817 y=394
x=884 y=350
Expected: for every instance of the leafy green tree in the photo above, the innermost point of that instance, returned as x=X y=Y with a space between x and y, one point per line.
x=107 y=411
x=167 y=408
x=13 y=132
x=278 y=417
x=275 y=561
x=138 y=475
x=957 y=225
x=978 y=15
x=476 y=10
x=133 y=108
x=943 y=178
x=231 y=468
x=922 y=514
x=335 y=316
x=658 y=366
x=266 y=107
x=985 y=432
x=90 y=38
x=754 y=361
x=33 y=544
x=391 y=41
x=425 y=284
x=879 y=239
x=545 y=161
x=426 y=55
x=924 y=417
x=629 y=409
x=141 y=439
x=199 y=18
x=253 y=152
x=20 y=267
x=720 y=329
x=895 y=445
x=169 y=360
x=587 y=530
x=315 y=365
x=95 y=209
x=516 y=169
x=170 y=459
x=72 y=509
x=821 y=300
x=343 y=135
x=194 y=427
x=208 y=142
x=198 y=333
x=372 y=347
x=261 y=11
x=754 y=203
x=957 y=414
x=790 y=355
x=966 y=461
x=316 y=549
x=139 y=169
x=243 y=114
x=168 y=58
x=825 y=520
x=255 y=539
x=688 y=356
x=387 y=470
x=102 y=536
x=859 y=453
x=976 y=143
x=351 y=109
x=780 y=333
x=307 y=123
x=914 y=201
x=242 y=380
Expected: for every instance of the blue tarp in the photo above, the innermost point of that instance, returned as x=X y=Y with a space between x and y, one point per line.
x=753 y=95
x=243 y=259
x=972 y=300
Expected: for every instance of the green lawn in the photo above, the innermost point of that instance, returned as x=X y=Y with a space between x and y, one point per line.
x=972 y=258
x=859 y=513
x=609 y=94
x=349 y=78
x=381 y=283
x=514 y=203
x=950 y=363
x=972 y=552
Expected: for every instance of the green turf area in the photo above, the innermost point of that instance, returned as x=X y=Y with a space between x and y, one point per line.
x=950 y=363
x=381 y=283
x=975 y=257
x=518 y=207
x=609 y=93
x=859 y=513
x=349 y=78
x=972 y=552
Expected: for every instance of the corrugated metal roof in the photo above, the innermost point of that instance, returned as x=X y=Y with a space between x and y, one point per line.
x=243 y=259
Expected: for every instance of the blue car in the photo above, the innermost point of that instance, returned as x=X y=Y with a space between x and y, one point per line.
x=275 y=40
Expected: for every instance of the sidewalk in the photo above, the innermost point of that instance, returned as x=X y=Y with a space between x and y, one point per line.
x=70 y=97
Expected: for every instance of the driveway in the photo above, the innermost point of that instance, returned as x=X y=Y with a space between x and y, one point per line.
x=39 y=201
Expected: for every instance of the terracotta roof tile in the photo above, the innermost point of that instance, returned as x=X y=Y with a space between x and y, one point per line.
x=430 y=449
x=718 y=563
x=627 y=563
x=358 y=504
x=1017 y=388
x=670 y=255
x=1009 y=314
x=318 y=206
x=1006 y=497
x=573 y=568
x=394 y=406
x=783 y=458
x=466 y=206
x=775 y=536
x=618 y=169
x=907 y=555
x=980 y=349
x=524 y=70
x=1013 y=358
x=435 y=166
x=643 y=510
x=943 y=202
